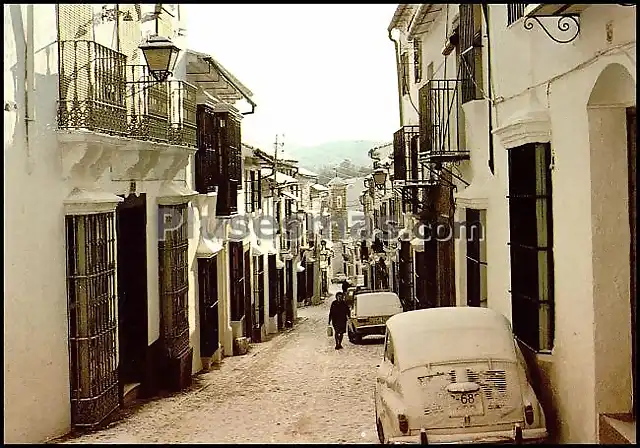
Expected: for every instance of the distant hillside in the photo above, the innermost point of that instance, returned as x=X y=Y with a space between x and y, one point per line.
x=331 y=154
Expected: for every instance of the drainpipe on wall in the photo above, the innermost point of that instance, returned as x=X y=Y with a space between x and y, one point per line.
x=28 y=82
x=485 y=10
x=395 y=44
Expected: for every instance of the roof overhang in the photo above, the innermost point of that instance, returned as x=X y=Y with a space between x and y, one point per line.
x=281 y=178
x=210 y=76
x=401 y=17
x=422 y=20
x=319 y=187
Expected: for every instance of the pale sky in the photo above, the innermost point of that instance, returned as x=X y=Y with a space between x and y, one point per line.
x=318 y=72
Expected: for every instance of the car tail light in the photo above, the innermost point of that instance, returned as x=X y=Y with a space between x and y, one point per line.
x=528 y=413
x=403 y=423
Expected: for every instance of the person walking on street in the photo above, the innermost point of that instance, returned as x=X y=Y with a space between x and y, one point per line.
x=345 y=285
x=338 y=316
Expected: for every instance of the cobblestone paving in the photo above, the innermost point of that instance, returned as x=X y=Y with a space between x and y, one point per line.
x=295 y=388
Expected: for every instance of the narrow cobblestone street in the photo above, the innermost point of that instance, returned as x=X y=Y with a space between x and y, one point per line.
x=294 y=388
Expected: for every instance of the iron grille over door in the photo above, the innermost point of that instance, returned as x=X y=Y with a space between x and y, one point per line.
x=93 y=320
x=405 y=276
x=174 y=281
x=236 y=262
x=281 y=299
x=248 y=296
x=209 y=326
x=476 y=261
x=310 y=271
x=258 y=297
x=288 y=303
x=273 y=285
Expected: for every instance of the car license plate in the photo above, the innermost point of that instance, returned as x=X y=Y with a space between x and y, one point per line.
x=376 y=320
x=466 y=404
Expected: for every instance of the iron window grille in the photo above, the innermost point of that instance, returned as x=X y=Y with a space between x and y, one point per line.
x=91 y=88
x=417 y=60
x=93 y=321
x=515 y=11
x=249 y=304
x=208 y=285
x=248 y=193
x=258 y=267
x=252 y=191
x=173 y=255
x=273 y=285
x=236 y=262
x=476 y=258
x=531 y=244
x=405 y=276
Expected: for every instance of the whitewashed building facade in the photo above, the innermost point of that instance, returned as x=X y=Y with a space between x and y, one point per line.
x=110 y=270
x=548 y=123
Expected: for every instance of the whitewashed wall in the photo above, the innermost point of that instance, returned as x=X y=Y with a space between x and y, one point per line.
x=589 y=368
x=36 y=362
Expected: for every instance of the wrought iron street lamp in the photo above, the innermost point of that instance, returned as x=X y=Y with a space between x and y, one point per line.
x=161 y=55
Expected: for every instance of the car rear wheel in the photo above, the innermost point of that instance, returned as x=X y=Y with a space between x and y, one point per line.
x=350 y=336
x=354 y=338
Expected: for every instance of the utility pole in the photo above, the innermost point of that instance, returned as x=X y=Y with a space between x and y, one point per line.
x=275 y=190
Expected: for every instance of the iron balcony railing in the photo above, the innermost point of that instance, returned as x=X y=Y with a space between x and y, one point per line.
x=91 y=88
x=99 y=92
x=182 y=114
x=405 y=153
x=147 y=105
x=441 y=126
x=515 y=11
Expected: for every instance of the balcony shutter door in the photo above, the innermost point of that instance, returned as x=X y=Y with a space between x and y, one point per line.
x=467 y=62
x=425 y=118
x=399 y=161
x=75 y=22
x=129 y=33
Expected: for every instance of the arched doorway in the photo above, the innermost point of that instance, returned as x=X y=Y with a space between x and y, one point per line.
x=611 y=114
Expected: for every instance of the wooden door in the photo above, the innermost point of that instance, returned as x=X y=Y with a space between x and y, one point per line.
x=631 y=148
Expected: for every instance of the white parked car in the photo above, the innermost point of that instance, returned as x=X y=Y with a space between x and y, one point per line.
x=370 y=312
x=455 y=375
x=339 y=278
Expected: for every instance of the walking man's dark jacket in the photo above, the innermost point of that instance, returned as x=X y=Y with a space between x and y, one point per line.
x=338 y=315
